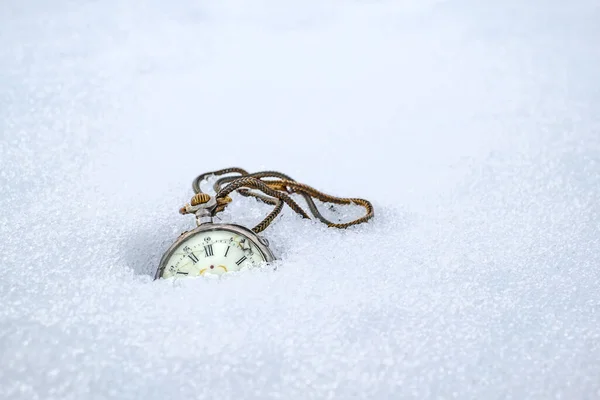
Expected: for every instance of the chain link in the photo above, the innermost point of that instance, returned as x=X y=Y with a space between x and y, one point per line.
x=273 y=188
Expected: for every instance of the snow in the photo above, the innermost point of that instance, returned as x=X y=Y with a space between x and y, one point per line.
x=471 y=125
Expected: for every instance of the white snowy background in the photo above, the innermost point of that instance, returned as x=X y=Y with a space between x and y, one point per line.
x=473 y=126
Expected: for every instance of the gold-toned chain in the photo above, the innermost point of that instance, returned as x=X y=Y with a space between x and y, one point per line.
x=274 y=188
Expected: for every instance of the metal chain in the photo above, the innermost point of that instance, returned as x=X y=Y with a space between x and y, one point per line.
x=274 y=191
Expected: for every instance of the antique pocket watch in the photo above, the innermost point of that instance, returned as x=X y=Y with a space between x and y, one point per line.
x=215 y=248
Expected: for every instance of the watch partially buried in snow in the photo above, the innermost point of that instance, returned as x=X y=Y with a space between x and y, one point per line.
x=216 y=248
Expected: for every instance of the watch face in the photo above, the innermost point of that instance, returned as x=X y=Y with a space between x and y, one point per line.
x=213 y=249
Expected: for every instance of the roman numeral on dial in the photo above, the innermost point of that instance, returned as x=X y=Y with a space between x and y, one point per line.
x=208 y=250
x=241 y=260
x=226 y=251
x=193 y=257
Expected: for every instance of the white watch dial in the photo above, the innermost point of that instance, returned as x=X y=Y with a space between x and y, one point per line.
x=212 y=252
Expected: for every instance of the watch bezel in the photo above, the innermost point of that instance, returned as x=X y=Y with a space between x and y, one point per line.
x=208 y=227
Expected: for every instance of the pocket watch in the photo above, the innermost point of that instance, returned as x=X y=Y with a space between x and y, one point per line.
x=215 y=248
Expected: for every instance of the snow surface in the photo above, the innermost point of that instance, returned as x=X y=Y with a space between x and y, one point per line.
x=472 y=125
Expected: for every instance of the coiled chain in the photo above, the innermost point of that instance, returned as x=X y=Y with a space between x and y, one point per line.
x=273 y=188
